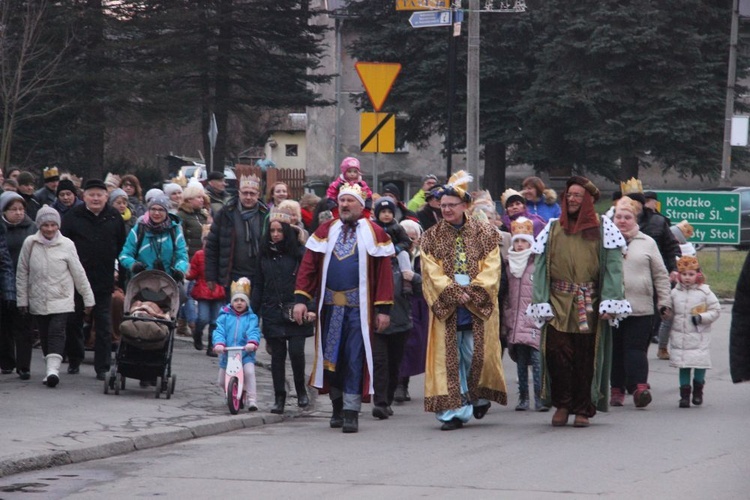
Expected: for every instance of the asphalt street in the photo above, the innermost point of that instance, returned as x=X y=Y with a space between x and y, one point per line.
x=658 y=452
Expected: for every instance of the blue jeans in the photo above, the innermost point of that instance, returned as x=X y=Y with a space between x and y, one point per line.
x=208 y=312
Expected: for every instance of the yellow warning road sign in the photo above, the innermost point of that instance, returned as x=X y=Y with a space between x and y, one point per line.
x=422 y=4
x=378 y=79
x=377 y=132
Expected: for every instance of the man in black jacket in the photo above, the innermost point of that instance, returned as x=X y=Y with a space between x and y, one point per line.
x=98 y=232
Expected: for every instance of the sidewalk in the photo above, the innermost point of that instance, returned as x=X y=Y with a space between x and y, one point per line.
x=76 y=421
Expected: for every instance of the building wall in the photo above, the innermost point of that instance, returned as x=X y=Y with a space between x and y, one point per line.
x=276 y=149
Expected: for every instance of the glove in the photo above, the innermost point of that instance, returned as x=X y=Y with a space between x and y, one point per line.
x=137 y=268
x=178 y=276
x=696 y=319
x=219 y=349
x=23 y=310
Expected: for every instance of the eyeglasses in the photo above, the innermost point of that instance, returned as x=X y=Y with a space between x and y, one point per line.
x=156 y=209
x=574 y=196
x=445 y=206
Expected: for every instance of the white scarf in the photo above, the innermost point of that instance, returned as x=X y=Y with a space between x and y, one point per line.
x=517 y=261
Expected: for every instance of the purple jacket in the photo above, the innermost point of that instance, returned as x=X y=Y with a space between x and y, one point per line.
x=539 y=223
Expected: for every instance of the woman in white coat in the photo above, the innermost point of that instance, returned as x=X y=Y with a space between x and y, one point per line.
x=48 y=273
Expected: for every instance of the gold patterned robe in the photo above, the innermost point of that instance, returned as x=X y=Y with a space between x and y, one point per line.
x=485 y=378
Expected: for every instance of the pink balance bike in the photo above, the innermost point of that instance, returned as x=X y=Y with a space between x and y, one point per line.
x=234 y=380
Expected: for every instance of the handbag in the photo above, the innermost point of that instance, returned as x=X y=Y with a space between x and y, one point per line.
x=287 y=308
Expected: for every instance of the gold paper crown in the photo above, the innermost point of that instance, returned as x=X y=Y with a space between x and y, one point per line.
x=688 y=263
x=180 y=180
x=280 y=216
x=242 y=285
x=507 y=194
x=50 y=172
x=686 y=228
x=112 y=179
x=251 y=181
x=522 y=225
x=633 y=185
x=353 y=189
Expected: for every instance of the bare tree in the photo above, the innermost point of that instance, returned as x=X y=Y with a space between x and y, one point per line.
x=29 y=66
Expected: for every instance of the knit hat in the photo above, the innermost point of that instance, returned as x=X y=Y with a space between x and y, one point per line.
x=153 y=193
x=684 y=226
x=522 y=229
x=191 y=192
x=94 y=184
x=161 y=201
x=509 y=196
x=392 y=189
x=349 y=162
x=9 y=197
x=117 y=193
x=382 y=203
x=241 y=289
x=47 y=214
x=25 y=178
x=51 y=174
x=171 y=188
x=428 y=177
x=112 y=180
x=66 y=185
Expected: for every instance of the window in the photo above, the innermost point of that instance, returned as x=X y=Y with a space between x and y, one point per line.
x=291 y=150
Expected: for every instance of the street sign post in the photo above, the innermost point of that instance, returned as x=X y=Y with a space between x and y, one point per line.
x=435 y=18
x=715 y=216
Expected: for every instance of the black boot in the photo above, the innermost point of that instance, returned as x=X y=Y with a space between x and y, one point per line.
x=337 y=418
x=303 y=400
x=197 y=339
x=210 y=349
x=698 y=393
x=351 y=421
x=685 y=396
x=278 y=406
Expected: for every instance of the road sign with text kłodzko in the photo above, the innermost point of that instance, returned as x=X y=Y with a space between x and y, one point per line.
x=714 y=215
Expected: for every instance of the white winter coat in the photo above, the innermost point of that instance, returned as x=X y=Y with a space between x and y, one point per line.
x=688 y=343
x=47 y=274
x=643 y=271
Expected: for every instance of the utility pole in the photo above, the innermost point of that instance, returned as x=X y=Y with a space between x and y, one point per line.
x=726 y=156
x=472 y=93
x=451 y=97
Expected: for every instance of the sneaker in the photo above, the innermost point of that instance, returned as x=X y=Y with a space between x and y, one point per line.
x=617 y=397
x=523 y=404
x=452 y=424
x=642 y=396
x=663 y=353
x=252 y=406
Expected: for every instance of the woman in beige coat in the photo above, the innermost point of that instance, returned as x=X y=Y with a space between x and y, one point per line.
x=48 y=273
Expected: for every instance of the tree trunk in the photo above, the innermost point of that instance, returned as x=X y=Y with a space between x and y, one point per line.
x=628 y=168
x=494 y=169
x=94 y=116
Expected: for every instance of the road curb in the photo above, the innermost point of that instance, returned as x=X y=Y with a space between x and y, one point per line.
x=121 y=445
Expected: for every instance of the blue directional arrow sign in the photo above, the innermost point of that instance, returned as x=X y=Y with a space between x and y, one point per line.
x=434 y=18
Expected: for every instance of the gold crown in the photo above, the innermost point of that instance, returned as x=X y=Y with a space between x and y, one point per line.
x=633 y=185
x=522 y=225
x=353 y=189
x=281 y=216
x=242 y=285
x=180 y=180
x=688 y=263
x=507 y=194
x=50 y=172
x=687 y=229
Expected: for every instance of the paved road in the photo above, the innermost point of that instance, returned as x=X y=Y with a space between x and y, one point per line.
x=659 y=452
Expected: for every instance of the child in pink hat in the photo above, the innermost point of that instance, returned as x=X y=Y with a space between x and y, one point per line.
x=350 y=174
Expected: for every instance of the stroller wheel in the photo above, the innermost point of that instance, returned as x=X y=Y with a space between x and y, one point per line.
x=167 y=392
x=234 y=398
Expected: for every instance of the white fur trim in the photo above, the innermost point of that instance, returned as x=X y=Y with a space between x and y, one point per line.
x=612 y=236
x=620 y=309
x=541 y=313
x=541 y=238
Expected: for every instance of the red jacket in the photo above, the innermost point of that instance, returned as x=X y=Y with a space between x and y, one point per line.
x=197 y=272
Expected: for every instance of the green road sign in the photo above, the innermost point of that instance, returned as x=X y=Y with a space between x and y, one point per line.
x=714 y=215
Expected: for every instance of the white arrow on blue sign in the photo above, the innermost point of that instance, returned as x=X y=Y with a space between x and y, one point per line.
x=434 y=18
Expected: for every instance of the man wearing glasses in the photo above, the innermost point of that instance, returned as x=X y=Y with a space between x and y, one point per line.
x=461 y=269
x=577 y=288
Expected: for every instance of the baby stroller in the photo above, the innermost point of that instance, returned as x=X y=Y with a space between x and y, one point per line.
x=152 y=300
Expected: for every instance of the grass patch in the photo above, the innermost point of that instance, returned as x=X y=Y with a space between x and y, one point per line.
x=723 y=280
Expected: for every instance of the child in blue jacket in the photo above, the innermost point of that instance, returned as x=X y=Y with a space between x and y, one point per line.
x=237 y=326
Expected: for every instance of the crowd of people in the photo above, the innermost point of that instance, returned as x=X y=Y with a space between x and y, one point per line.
x=441 y=284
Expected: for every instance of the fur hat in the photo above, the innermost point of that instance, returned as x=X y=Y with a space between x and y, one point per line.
x=47 y=214
x=9 y=197
x=349 y=162
x=66 y=185
x=509 y=196
x=191 y=192
x=522 y=229
x=241 y=290
x=688 y=263
x=51 y=174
